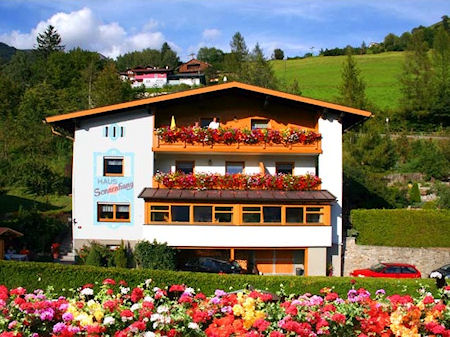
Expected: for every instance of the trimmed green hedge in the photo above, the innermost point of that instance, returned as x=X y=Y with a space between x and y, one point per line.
x=402 y=227
x=34 y=275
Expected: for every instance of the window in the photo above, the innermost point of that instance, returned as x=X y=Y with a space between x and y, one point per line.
x=294 y=214
x=314 y=214
x=259 y=124
x=106 y=131
x=233 y=167
x=223 y=214
x=272 y=214
x=180 y=213
x=185 y=167
x=202 y=213
x=284 y=168
x=159 y=213
x=113 y=212
x=113 y=166
x=251 y=214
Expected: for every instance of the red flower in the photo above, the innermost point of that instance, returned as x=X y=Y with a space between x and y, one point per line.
x=331 y=297
x=137 y=294
x=177 y=287
x=126 y=313
x=123 y=283
x=339 y=318
x=88 y=285
x=109 y=281
x=109 y=292
x=261 y=325
x=18 y=291
x=428 y=299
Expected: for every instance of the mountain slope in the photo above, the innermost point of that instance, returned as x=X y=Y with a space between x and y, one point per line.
x=319 y=77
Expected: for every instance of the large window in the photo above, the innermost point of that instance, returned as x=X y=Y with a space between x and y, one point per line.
x=113 y=166
x=233 y=167
x=109 y=212
x=239 y=214
x=191 y=213
x=185 y=167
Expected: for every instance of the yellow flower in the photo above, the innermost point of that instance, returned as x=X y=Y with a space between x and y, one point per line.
x=238 y=310
x=84 y=319
x=98 y=315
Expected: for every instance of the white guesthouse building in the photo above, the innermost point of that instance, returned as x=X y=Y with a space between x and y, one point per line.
x=119 y=149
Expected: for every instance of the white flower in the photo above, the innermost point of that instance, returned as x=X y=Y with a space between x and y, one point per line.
x=108 y=320
x=87 y=292
x=193 y=326
x=124 y=290
x=148 y=281
x=189 y=291
x=148 y=299
x=161 y=309
x=135 y=306
x=155 y=289
x=155 y=317
x=148 y=334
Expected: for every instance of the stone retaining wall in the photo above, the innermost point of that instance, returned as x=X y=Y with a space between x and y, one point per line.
x=425 y=259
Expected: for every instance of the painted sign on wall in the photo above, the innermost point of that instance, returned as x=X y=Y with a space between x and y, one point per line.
x=118 y=189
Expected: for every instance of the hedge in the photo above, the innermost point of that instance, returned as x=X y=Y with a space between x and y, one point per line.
x=39 y=275
x=402 y=227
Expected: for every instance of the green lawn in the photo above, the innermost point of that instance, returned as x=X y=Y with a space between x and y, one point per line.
x=319 y=76
x=17 y=198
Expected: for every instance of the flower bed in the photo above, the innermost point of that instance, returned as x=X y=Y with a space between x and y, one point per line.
x=117 y=310
x=287 y=182
x=197 y=135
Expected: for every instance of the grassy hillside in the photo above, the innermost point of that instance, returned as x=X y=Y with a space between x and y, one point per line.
x=319 y=76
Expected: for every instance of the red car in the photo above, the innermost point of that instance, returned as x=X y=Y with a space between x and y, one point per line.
x=395 y=270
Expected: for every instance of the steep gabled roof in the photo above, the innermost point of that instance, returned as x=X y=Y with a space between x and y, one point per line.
x=60 y=119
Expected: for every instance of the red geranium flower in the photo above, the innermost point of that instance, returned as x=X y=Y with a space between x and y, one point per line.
x=109 y=281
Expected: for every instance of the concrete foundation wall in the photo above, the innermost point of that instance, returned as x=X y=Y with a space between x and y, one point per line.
x=317 y=261
x=425 y=259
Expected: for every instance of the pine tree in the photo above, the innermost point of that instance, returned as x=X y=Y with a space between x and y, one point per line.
x=49 y=42
x=352 y=87
x=441 y=82
x=168 y=56
x=235 y=63
x=260 y=71
x=416 y=80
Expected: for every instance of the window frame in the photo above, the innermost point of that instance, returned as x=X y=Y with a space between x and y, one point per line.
x=237 y=212
x=114 y=218
x=284 y=163
x=235 y=162
x=177 y=162
x=107 y=174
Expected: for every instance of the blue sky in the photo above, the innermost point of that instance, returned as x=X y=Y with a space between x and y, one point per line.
x=116 y=26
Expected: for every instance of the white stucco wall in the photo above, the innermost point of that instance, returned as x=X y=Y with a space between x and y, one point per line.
x=330 y=169
x=239 y=236
x=90 y=146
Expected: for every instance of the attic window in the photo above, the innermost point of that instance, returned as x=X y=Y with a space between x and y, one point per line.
x=194 y=65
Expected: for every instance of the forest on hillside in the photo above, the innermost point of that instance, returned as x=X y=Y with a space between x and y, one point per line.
x=35 y=164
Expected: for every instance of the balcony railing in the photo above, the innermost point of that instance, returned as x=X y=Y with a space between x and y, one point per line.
x=236 y=141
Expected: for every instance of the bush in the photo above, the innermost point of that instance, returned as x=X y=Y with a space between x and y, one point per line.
x=94 y=258
x=95 y=254
x=402 y=227
x=38 y=275
x=414 y=194
x=154 y=255
x=120 y=257
x=443 y=192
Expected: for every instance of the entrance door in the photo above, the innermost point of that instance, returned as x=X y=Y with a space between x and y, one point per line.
x=279 y=262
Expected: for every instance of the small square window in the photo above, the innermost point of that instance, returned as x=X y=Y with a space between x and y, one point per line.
x=113 y=166
x=272 y=214
x=259 y=124
x=233 y=167
x=186 y=167
x=284 y=168
x=202 y=213
x=180 y=213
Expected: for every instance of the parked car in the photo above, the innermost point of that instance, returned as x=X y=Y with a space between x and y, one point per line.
x=444 y=271
x=395 y=270
x=212 y=265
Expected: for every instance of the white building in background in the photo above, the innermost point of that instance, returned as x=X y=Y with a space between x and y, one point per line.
x=117 y=153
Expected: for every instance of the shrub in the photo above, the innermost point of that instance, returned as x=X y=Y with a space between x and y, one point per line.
x=414 y=194
x=39 y=275
x=94 y=258
x=120 y=257
x=443 y=192
x=154 y=255
x=402 y=227
x=95 y=254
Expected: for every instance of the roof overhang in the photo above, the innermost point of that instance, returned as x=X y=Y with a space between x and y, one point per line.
x=237 y=196
x=348 y=116
x=8 y=232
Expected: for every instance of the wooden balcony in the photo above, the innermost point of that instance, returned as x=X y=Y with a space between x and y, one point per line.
x=261 y=148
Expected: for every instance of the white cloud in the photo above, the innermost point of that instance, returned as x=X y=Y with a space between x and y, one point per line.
x=83 y=29
x=211 y=34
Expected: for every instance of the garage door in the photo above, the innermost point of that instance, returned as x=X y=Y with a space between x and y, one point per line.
x=275 y=261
